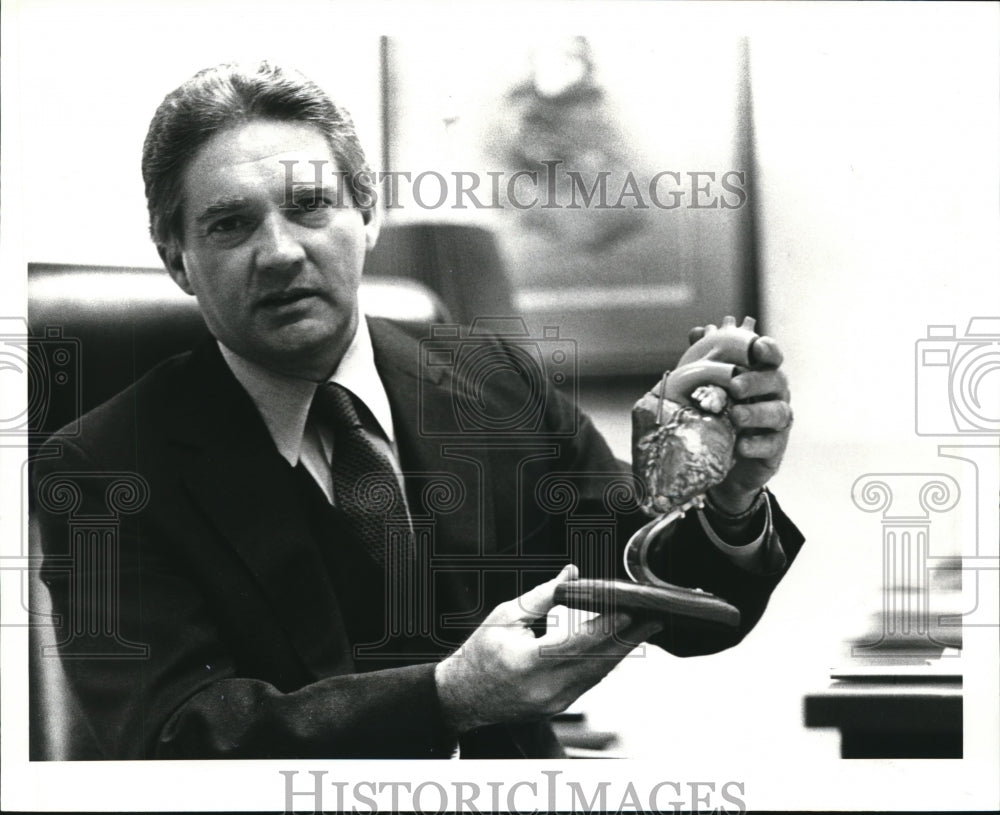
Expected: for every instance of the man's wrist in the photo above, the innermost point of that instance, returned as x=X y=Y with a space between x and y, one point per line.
x=744 y=533
x=741 y=527
x=735 y=507
x=458 y=714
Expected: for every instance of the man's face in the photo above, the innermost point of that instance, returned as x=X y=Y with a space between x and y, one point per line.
x=276 y=284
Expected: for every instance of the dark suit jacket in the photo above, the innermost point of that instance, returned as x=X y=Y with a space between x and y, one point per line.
x=215 y=571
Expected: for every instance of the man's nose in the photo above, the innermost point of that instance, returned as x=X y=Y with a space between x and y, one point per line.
x=278 y=247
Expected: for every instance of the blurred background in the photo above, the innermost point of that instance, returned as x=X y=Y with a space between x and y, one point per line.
x=865 y=212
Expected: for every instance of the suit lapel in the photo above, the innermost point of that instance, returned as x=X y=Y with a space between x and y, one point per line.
x=415 y=391
x=248 y=490
x=462 y=535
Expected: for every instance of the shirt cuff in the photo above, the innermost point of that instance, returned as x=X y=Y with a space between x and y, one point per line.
x=761 y=555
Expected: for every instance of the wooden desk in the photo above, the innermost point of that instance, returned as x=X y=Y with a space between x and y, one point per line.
x=892 y=712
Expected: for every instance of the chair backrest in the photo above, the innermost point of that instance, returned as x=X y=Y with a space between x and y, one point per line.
x=92 y=331
x=462 y=263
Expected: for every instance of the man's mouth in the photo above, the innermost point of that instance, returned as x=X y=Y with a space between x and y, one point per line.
x=287 y=297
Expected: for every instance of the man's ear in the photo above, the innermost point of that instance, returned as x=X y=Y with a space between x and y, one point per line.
x=174 y=262
x=373 y=224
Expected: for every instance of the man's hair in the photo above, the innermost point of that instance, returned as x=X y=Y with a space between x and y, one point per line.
x=218 y=98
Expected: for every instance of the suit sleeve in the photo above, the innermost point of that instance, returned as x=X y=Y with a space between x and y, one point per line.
x=190 y=696
x=691 y=559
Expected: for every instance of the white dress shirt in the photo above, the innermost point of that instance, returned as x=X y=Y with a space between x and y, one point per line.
x=284 y=401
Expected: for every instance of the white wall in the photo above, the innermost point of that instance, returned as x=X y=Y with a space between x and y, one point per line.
x=878 y=163
x=91 y=75
x=877 y=136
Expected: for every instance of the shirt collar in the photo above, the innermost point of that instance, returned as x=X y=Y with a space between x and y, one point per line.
x=284 y=401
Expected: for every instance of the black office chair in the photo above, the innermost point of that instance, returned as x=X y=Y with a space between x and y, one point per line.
x=461 y=263
x=93 y=330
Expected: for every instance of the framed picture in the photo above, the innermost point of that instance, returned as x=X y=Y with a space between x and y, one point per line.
x=619 y=183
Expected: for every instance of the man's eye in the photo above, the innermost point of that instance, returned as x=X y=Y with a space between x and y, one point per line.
x=314 y=203
x=228 y=225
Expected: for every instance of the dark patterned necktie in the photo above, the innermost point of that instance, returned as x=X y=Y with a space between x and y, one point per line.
x=365 y=487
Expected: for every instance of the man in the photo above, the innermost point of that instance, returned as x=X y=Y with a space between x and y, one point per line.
x=273 y=596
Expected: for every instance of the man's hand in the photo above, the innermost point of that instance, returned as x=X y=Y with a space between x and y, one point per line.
x=762 y=416
x=504 y=673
